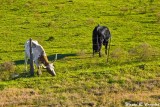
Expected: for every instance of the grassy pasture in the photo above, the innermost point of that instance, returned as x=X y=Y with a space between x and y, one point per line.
x=64 y=27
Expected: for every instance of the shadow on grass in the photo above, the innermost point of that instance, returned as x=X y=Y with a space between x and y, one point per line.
x=50 y=58
x=19 y=62
x=18 y=75
x=60 y=56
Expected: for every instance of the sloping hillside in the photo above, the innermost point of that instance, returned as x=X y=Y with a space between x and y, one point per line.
x=64 y=27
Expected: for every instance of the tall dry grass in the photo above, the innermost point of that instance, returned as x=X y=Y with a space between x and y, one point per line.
x=6 y=70
x=101 y=97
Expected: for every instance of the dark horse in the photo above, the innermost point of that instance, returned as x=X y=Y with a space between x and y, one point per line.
x=101 y=35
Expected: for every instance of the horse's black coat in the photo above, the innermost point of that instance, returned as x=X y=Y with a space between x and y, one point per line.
x=101 y=35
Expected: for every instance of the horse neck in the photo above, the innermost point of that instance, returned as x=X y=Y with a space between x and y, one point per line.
x=44 y=60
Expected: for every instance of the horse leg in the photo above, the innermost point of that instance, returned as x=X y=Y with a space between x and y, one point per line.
x=100 y=50
x=38 y=67
x=93 y=52
x=106 y=45
x=26 y=60
x=39 y=71
x=100 y=54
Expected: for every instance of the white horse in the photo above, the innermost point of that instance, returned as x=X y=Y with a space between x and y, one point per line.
x=39 y=57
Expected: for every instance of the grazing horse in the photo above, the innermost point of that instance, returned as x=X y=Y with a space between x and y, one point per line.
x=101 y=35
x=39 y=57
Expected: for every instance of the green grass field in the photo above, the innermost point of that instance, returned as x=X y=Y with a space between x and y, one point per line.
x=64 y=27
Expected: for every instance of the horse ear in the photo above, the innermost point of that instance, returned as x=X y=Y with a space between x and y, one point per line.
x=55 y=58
